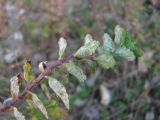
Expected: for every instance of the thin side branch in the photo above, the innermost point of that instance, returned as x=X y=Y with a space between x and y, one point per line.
x=37 y=81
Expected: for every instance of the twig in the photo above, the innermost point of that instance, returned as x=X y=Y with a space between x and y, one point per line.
x=37 y=81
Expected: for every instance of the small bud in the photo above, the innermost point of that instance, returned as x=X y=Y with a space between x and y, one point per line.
x=42 y=66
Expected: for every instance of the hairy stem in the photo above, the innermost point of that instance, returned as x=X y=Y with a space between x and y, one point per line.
x=37 y=81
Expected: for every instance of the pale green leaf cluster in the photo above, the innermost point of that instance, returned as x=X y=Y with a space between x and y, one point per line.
x=36 y=102
x=59 y=90
x=75 y=71
x=18 y=115
x=118 y=47
x=89 y=48
x=113 y=49
x=62 y=46
x=120 y=41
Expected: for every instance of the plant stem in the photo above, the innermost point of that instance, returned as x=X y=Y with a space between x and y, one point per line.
x=37 y=81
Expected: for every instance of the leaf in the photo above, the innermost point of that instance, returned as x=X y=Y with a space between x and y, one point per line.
x=44 y=87
x=123 y=38
x=130 y=43
x=106 y=61
x=14 y=86
x=118 y=35
x=28 y=75
x=108 y=44
x=36 y=102
x=88 y=39
x=17 y=114
x=59 y=89
x=88 y=49
x=75 y=71
x=125 y=53
x=62 y=46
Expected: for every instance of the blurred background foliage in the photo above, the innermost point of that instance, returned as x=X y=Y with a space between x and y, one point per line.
x=30 y=29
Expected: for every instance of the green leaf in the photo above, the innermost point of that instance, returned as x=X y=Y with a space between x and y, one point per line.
x=106 y=61
x=108 y=44
x=130 y=43
x=36 y=102
x=44 y=87
x=17 y=114
x=62 y=46
x=118 y=35
x=88 y=49
x=59 y=89
x=125 y=53
x=123 y=38
x=14 y=86
x=28 y=75
x=75 y=71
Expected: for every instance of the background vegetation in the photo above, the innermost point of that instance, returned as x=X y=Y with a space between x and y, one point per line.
x=30 y=30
